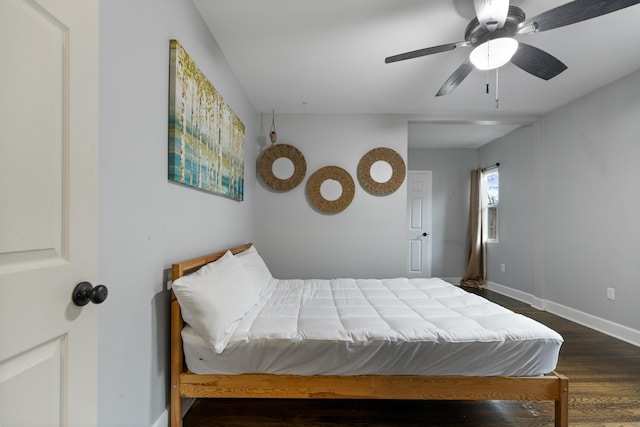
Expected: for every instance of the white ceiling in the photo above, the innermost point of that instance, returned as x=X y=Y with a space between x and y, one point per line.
x=327 y=56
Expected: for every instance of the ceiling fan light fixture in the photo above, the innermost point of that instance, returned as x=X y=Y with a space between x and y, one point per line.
x=494 y=53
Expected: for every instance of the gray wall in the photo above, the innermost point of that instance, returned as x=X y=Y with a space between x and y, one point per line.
x=450 y=208
x=592 y=233
x=367 y=239
x=569 y=205
x=145 y=222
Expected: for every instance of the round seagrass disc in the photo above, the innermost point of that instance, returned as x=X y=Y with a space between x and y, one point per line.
x=344 y=179
x=273 y=153
x=398 y=168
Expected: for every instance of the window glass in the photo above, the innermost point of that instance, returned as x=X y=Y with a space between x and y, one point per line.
x=492 y=183
x=493 y=187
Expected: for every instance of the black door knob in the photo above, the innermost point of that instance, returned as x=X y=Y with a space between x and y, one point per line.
x=85 y=292
x=424 y=234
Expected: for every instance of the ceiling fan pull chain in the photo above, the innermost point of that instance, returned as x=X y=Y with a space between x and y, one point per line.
x=497 y=103
x=486 y=90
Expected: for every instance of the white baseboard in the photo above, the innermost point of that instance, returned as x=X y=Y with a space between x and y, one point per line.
x=513 y=293
x=621 y=332
x=163 y=419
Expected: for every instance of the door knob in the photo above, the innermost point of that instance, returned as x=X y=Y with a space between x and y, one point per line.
x=85 y=292
x=425 y=234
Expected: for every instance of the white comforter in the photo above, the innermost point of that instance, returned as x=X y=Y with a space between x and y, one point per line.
x=391 y=326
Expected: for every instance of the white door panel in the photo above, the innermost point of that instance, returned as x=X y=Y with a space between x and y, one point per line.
x=419 y=223
x=48 y=211
x=33 y=112
x=40 y=365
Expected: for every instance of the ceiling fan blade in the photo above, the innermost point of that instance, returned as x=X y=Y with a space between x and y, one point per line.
x=571 y=13
x=537 y=62
x=426 y=51
x=456 y=78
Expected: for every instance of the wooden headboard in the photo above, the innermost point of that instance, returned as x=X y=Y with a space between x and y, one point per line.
x=181 y=268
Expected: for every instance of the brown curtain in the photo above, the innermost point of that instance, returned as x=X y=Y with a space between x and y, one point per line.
x=475 y=274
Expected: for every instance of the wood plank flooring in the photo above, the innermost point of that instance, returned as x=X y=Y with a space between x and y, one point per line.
x=604 y=381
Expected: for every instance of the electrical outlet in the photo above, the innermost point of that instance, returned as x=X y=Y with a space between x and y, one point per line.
x=502 y=268
x=611 y=293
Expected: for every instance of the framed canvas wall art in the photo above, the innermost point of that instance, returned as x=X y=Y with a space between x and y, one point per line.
x=206 y=138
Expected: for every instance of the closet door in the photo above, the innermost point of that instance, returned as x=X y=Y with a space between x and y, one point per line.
x=419 y=223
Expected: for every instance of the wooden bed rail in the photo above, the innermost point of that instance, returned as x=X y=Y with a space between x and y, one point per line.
x=392 y=387
x=177 y=363
x=553 y=387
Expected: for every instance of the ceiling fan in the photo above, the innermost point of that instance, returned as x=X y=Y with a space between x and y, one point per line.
x=491 y=35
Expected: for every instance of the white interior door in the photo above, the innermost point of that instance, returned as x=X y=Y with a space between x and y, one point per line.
x=419 y=223
x=48 y=211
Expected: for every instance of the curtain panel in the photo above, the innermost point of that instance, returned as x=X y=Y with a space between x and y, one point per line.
x=475 y=251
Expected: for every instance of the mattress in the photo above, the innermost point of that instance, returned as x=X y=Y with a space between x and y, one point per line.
x=401 y=326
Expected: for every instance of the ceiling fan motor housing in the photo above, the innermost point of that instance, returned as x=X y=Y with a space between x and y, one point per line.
x=476 y=34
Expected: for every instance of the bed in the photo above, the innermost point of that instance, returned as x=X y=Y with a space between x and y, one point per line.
x=254 y=355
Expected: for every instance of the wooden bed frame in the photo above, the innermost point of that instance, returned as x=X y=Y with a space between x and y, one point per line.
x=552 y=387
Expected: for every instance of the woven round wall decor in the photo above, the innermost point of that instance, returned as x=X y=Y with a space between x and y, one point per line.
x=273 y=153
x=394 y=160
x=344 y=179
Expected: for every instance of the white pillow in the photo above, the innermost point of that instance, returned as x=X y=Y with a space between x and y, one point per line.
x=215 y=298
x=256 y=268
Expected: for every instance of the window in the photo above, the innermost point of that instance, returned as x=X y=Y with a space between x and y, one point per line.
x=492 y=186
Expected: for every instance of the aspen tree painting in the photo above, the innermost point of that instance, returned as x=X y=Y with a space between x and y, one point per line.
x=206 y=138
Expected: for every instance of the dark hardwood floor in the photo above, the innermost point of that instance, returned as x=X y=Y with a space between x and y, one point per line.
x=604 y=381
